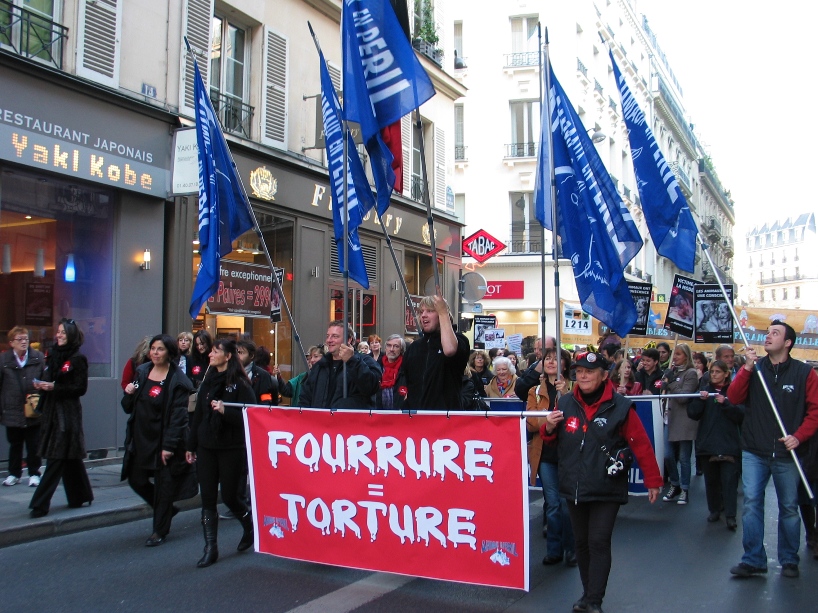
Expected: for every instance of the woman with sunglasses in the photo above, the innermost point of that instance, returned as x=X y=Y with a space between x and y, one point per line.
x=62 y=441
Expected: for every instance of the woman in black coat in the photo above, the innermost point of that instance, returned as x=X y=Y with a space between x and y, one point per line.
x=718 y=444
x=62 y=441
x=199 y=358
x=154 y=463
x=216 y=444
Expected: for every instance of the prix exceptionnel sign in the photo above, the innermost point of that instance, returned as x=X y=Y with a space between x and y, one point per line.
x=481 y=246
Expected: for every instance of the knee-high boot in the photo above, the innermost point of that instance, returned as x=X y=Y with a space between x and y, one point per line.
x=210 y=525
x=247 y=538
x=808 y=516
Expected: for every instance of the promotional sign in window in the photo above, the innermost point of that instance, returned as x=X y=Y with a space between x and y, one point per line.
x=435 y=496
x=244 y=289
x=575 y=320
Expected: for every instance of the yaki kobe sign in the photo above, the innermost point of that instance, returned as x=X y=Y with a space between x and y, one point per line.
x=444 y=499
x=481 y=246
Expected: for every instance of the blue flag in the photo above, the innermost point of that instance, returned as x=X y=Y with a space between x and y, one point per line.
x=359 y=194
x=383 y=81
x=670 y=223
x=224 y=210
x=597 y=232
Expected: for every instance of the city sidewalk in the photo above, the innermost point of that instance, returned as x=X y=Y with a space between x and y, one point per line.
x=114 y=503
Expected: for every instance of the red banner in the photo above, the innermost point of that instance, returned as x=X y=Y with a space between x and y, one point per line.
x=434 y=496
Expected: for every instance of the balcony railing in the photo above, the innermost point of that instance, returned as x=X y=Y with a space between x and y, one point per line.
x=597 y=87
x=713 y=228
x=460 y=153
x=418 y=185
x=526 y=58
x=612 y=104
x=235 y=116
x=521 y=150
x=681 y=175
x=30 y=35
x=581 y=67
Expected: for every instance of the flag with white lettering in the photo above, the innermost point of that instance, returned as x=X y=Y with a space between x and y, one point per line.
x=596 y=229
x=383 y=81
x=670 y=223
x=224 y=210
x=359 y=195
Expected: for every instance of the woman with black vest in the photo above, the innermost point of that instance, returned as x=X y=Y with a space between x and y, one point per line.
x=155 y=463
x=589 y=425
x=216 y=444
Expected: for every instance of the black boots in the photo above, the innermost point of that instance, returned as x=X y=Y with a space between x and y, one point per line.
x=246 y=541
x=210 y=524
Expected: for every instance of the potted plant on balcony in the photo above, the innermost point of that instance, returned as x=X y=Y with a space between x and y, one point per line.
x=426 y=38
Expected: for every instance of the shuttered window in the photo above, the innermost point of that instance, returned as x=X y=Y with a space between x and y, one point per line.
x=370 y=261
x=198 y=17
x=406 y=143
x=274 y=96
x=98 y=40
x=440 y=169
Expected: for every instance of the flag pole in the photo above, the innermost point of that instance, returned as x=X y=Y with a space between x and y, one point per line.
x=705 y=247
x=554 y=209
x=406 y=293
x=427 y=200
x=256 y=227
x=542 y=228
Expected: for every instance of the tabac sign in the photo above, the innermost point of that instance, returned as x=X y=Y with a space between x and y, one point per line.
x=481 y=246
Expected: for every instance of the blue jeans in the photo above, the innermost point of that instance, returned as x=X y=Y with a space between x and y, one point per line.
x=756 y=473
x=678 y=452
x=560 y=533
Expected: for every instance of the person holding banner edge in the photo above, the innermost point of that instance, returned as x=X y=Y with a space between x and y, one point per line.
x=793 y=386
x=589 y=423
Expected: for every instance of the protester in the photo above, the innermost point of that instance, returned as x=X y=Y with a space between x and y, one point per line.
x=718 y=444
x=531 y=376
x=139 y=357
x=505 y=377
x=700 y=364
x=648 y=373
x=363 y=347
x=624 y=379
x=264 y=386
x=292 y=388
x=434 y=364
x=62 y=440
x=514 y=360
x=594 y=416
x=184 y=340
x=480 y=371
x=200 y=357
x=20 y=367
x=794 y=387
x=216 y=443
x=154 y=463
x=664 y=355
x=324 y=386
x=680 y=430
x=263 y=359
x=375 y=348
x=543 y=459
x=393 y=381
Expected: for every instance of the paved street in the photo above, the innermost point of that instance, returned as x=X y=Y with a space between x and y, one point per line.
x=666 y=558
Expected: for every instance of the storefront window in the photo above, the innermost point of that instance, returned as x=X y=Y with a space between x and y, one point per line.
x=246 y=297
x=57 y=261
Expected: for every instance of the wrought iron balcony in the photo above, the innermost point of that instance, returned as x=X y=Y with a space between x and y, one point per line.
x=30 y=35
x=612 y=104
x=418 y=186
x=713 y=228
x=521 y=150
x=235 y=116
x=727 y=243
x=460 y=153
x=526 y=58
x=581 y=67
x=681 y=175
x=597 y=87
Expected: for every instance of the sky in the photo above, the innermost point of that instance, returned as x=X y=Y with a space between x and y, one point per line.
x=749 y=80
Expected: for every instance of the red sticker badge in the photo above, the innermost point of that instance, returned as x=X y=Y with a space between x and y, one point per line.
x=197 y=370
x=571 y=425
x=66 y=367
x=155 y=391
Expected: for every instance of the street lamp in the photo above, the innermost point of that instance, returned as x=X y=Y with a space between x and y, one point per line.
x=598 y=135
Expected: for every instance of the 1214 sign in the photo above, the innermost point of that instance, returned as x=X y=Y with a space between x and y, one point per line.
x=481 y=246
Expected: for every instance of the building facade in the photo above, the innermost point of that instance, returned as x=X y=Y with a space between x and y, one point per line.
x=98 y=206
x=497 y=132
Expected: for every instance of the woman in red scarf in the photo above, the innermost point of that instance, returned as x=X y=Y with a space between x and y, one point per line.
x=393 y=384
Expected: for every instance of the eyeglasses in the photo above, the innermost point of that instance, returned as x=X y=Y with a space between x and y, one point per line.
x=21 y=339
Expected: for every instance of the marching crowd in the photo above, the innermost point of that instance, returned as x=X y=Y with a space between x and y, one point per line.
x=185 y=436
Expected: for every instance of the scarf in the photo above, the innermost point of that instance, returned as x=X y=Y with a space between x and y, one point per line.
x=390 y=372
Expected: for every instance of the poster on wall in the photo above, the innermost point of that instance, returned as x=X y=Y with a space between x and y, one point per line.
x=275 y=297
x=714 y=316
x=575 y=320
x=640 y=292
x=481 y=324
x=680 y=312
x=39 y=304
x=495 y=338
x=244 y=289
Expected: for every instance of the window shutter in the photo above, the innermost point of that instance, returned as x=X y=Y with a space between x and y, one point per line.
x=406 y=132
x=440 y=169
x=440 y=22
x=98 y=41
x=274 y=97
x=335 y=77
x=198 y=19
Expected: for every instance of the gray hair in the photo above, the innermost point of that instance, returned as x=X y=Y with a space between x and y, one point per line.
x=397 y=337
x=501 y=359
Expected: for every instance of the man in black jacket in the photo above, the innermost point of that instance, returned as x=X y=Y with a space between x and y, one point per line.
x=264 y=386
x=324 y=386
x=648 y=373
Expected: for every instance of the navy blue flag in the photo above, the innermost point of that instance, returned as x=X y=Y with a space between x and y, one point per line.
x=596 y=229
x=224 y=210
x=359 y=195
x=383 y=81
x=670 y=223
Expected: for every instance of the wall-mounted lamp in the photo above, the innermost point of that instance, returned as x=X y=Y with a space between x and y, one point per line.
x=70 y=274
x=315 y=272
x=597 y=136
x=146 y=260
